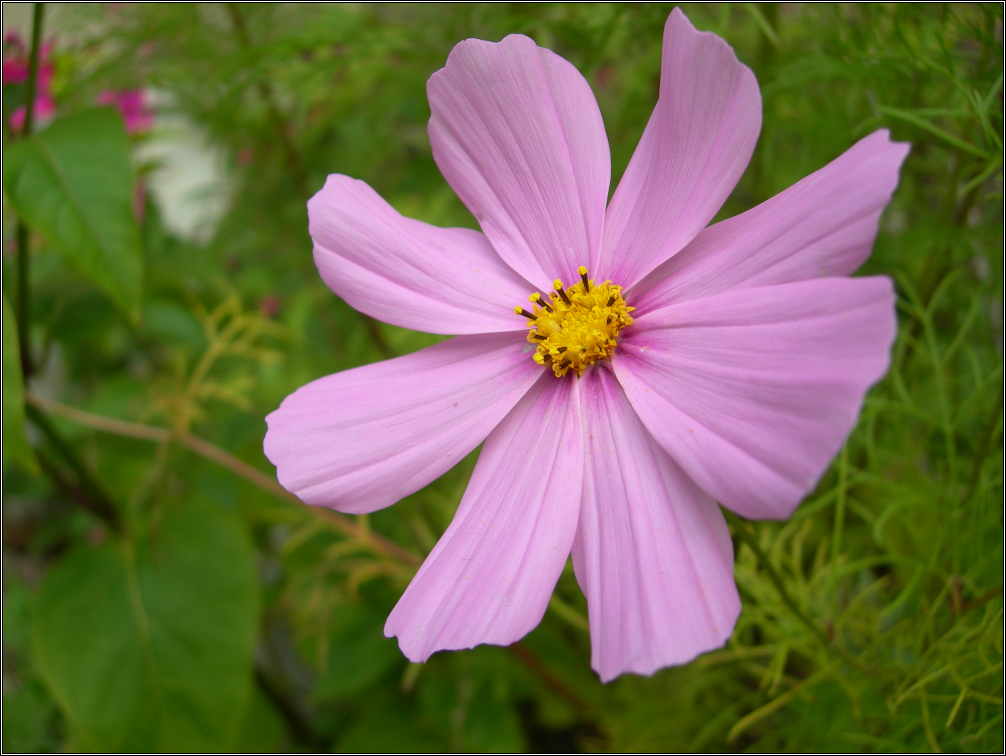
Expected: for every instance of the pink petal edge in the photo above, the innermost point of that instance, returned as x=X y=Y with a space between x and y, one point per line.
x=362 y=439
x=409 y=273
x=822 y=226
x=490 y=577
x=517 y=133
x=753 y=391
x=695 y=147
x=652 y=551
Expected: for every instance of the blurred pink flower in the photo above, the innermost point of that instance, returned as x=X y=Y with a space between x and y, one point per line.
x=132 y=104
x=15 y=71
x=736 y=379
x=45 y=109
x=269 y=305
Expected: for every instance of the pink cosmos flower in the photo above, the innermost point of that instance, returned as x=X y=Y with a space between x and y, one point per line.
x=15 y=71
x=133 y=106
x=735 y=378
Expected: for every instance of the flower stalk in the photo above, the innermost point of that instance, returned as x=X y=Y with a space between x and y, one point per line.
x=97 y=501
x=383 y=547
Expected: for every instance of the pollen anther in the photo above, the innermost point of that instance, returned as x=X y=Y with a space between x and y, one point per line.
x=578 y=326
x=560 y=292
x=536 y=299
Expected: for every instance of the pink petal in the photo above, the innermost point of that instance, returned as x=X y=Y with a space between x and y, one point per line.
x=692 y=153
x=15 y=71
x=491 y=575
x=45 y=106
x=821 y=226
x=753 y=391
x=516 y=131
x=652 y=551
x=412 y=274
x=362 y=439
x=18 y=116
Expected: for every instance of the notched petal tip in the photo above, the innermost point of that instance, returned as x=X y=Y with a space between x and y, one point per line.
x=680 y=30
x=678 y=24
x=905 y=147
x=510 y=41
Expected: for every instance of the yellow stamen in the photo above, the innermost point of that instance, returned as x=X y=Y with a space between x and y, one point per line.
x=579 y=326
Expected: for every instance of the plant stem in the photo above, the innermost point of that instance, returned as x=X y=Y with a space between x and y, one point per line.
x=553 y=683
x=23 y=291
x=23 y=300
x=53 y=471
x=983 y=446
x=36 y=51
x=297 y=723
x=376 y=337
x=98 y=501
x=216 y=454
x=836 y=540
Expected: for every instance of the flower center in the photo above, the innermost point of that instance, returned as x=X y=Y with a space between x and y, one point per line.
x=577 y=326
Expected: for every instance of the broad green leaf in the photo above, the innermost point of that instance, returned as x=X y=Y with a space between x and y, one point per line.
x=73 y=183
x=148 y=646
x=15 y=441
x=29 y=713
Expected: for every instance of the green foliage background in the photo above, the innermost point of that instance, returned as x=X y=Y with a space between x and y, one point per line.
x=158 y=595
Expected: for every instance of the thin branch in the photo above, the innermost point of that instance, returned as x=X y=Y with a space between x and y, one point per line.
x=376 y=337
x=61 y=482
x=232 y=463
x=298 y=725
x=985 y=597
x=36 y=51
x=98 y=501
x=23 y=299
x=984 y=445
x=536 y=665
